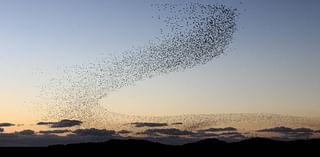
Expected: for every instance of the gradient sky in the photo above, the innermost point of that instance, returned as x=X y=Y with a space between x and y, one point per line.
x=272 y=65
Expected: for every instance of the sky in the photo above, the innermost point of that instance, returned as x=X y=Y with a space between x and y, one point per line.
x=272 y=66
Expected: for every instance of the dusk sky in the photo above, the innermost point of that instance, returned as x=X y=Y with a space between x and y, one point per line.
x=271 y=66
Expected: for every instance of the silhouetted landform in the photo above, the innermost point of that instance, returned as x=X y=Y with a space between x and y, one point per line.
x=260 y=146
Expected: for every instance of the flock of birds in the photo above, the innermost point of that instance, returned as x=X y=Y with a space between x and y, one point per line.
x=193 y=35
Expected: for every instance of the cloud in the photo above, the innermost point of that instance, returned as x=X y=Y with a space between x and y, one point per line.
x=124 y=132
x=24 y=139
x=227 y=134
x=168 y=131
x=177 y=123
x=232 y=134
x=303 y=130
x=203 y=135
x=66 y=123
x=94 y=132
x=25 y=132
x=30 y=138
x=61 y=124
x=146 y=124
x=171 y=134
x=6 y=124
x=219 y=129
x=46 y=123
x=48 y=137
x=283 y=129
x=177 y=132
x=54 y=131
x=290 y=133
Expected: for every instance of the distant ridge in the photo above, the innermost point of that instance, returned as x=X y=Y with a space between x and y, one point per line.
x=259 y=145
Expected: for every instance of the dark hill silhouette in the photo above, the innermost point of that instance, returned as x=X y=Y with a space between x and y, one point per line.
x=114 y=144
x=260 y=146
x=205 y=144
